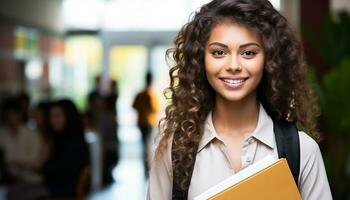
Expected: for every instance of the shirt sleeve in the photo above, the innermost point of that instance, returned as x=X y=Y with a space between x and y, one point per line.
x=313 y=183
x=160 y=178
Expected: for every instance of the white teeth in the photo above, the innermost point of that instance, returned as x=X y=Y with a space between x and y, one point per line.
x=233 y=81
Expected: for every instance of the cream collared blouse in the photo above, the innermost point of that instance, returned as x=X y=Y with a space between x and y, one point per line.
x=213 y=164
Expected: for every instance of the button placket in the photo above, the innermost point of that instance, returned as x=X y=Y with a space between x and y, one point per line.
x=248 y=151
x=224 y=150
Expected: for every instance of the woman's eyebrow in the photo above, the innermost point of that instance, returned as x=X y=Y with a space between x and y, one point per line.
x=218 y=44
x=241 y=46
x=249 y=44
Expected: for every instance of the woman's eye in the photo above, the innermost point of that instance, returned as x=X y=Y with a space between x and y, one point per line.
x=249 y=54
x=218 y=53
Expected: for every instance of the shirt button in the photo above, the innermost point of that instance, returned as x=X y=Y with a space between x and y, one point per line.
x=250 y=140
x=249 y=160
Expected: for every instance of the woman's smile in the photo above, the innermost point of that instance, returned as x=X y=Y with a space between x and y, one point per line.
x=233 y=83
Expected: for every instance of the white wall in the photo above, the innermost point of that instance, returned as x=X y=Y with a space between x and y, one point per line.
x=43 y=14
x=291 y=10
x=338 y=5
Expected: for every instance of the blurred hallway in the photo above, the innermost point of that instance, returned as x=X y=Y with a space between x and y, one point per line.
x=129 y=177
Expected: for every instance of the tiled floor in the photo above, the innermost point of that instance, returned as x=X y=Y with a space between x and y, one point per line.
x=130 y=181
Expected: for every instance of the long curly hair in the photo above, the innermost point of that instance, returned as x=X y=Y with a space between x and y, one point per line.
x=283 y=90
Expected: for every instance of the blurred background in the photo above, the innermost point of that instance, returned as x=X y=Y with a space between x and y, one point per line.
x=81 y=91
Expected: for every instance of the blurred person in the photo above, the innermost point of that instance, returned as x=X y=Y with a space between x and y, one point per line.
x=94 y=138
x=96 y=86
x=110 y=145
x=101 y=118
x=24 y=105
x=68 y=150
x=41 y=127
x=112 y=96
x=20 y=145
x=94 y=103
x=146 y=106
x=109 y=132
x=94 y=142
x=95 y=106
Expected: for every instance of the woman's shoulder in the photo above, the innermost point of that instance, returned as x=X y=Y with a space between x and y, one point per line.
x=309 y=149
x=160 y=162
x=165 y=152
x=313 y=183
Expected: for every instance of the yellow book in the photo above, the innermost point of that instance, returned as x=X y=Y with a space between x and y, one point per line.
x=268 y=179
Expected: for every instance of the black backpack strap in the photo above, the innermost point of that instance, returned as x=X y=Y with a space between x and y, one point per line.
x=178 y=193
x=288 y=145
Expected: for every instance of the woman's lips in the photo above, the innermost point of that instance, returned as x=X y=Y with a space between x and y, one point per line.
x=235 y=83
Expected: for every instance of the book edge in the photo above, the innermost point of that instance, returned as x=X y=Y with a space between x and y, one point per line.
x=238 y=177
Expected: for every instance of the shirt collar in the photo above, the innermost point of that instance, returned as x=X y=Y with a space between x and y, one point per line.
x=209 y=133
x=263 y=131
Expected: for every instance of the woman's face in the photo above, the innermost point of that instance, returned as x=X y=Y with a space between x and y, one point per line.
x=13 y=118
x=57 y=118
x=234 y=61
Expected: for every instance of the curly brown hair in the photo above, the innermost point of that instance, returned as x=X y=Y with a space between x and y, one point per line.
x=283 y=90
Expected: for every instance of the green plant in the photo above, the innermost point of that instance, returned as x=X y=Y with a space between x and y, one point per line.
x=333 y=88
x=335 y=108
x=335 y=99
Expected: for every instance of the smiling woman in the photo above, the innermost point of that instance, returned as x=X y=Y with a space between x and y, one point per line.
x=239 y=72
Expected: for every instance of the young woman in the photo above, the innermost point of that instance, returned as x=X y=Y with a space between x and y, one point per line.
x=68 y=153
x=239 y=68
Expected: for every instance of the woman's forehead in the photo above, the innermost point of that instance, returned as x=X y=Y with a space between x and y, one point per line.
x=233 y=33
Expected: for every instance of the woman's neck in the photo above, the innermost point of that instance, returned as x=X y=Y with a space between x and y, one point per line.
x=236 y=118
